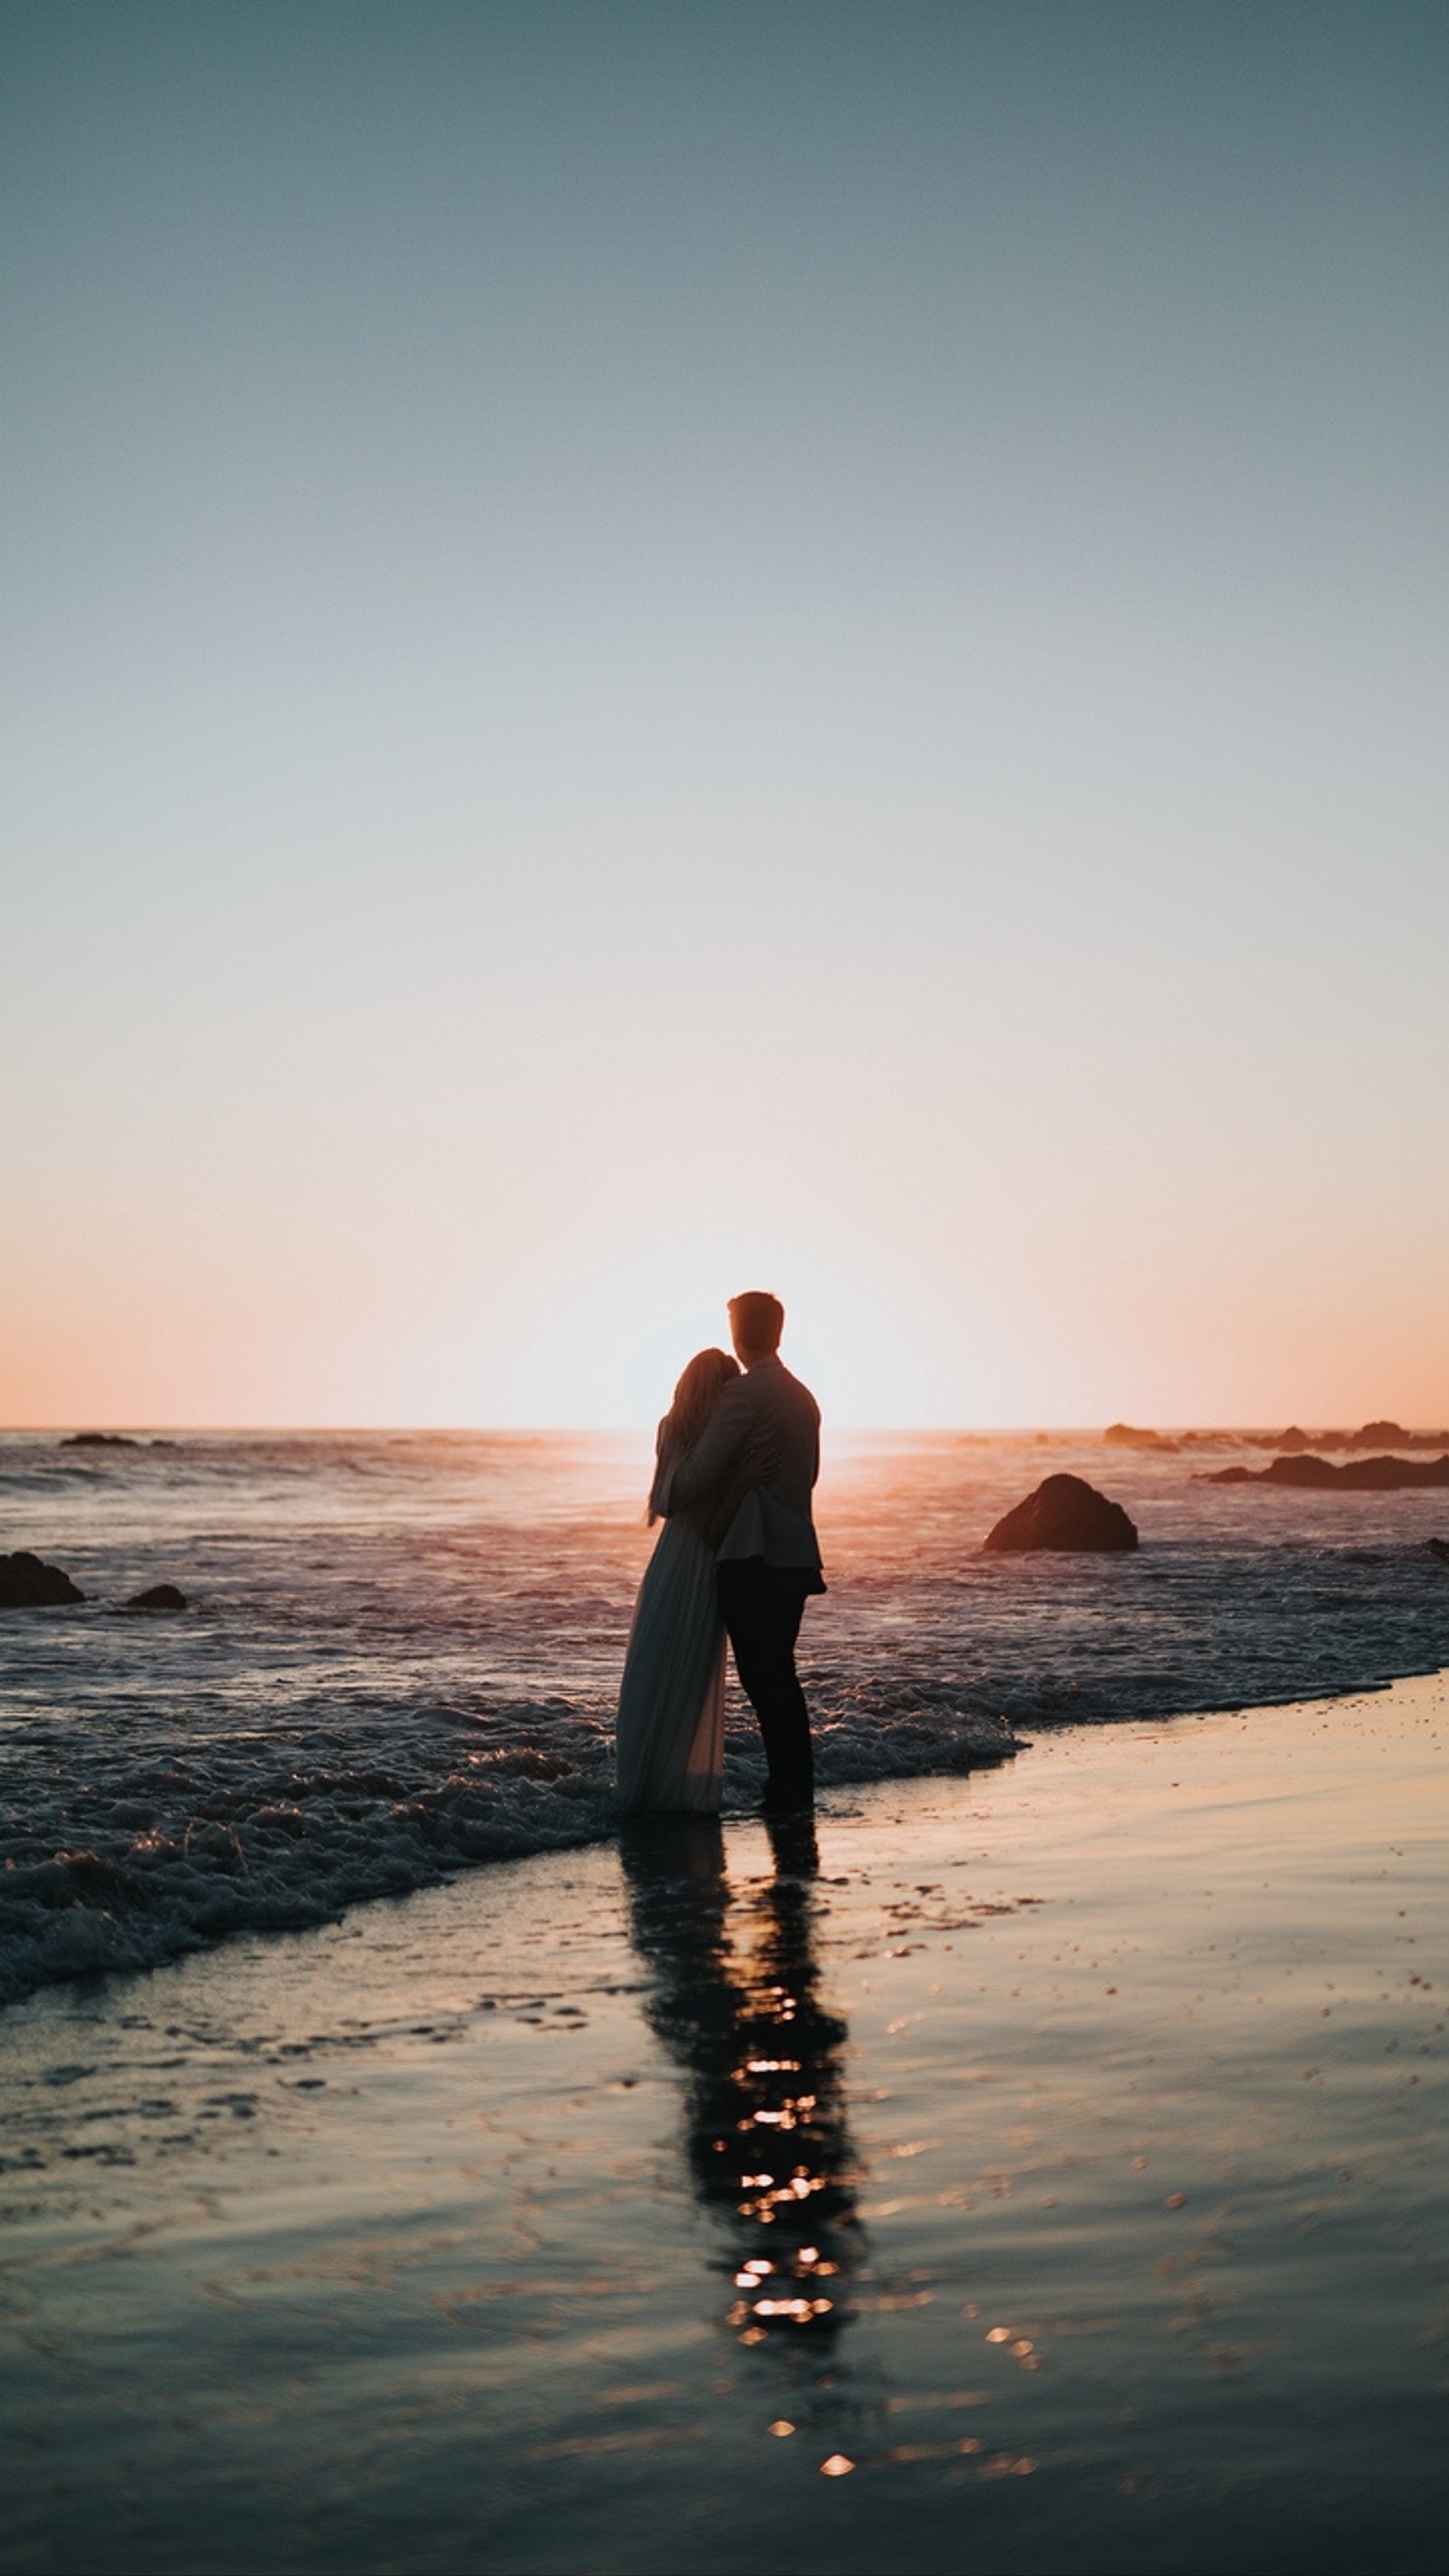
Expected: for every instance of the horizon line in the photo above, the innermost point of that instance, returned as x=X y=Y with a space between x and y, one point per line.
x=136 y=1427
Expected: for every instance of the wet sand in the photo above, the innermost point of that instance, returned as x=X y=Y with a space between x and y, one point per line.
x=1052 y=2175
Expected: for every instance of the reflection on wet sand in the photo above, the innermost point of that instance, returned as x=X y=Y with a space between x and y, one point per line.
x=735 y=1999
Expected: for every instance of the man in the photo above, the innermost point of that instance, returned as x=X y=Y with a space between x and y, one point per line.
x=768 y=1562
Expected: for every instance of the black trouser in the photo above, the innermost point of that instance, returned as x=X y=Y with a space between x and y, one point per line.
x=762 y=1606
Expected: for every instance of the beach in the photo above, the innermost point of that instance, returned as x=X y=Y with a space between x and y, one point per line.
x=685 y=681
x=1046 y=2167
x=400 y=1655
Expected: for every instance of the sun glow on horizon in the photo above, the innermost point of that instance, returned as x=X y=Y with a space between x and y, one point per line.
x=629 y=678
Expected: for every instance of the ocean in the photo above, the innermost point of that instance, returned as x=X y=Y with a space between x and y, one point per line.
x=401 y=1650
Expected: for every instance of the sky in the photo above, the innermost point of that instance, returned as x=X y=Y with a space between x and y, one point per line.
x=655 y=649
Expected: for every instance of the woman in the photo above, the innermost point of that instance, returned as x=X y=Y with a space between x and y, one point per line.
x=670 y=1741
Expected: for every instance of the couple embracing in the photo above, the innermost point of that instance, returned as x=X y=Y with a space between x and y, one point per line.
x=737 y=1458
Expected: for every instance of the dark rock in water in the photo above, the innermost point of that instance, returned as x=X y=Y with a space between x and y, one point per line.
x=1358 y=1476
x=1064 y=1512
x=1386 y=1475
x=1437 y=1547
x=1374 y=1435
x=1295 y=1470
x=1295 y=1439
x=1301 y=1469
x=100 y=1440
x=161 y=1596
x=1125 y=1435
x=26 y=1584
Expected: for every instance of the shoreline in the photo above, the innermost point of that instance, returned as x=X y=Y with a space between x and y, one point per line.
x=81 y=1887
x=1114 y=2084
x=982 y=1745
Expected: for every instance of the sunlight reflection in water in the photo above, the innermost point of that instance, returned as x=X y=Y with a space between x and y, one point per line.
x=735 y=1998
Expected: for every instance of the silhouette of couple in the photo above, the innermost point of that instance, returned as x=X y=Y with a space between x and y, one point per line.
x=737 y=1457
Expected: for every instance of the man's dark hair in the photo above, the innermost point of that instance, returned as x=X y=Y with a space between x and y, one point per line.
x=757 y=1319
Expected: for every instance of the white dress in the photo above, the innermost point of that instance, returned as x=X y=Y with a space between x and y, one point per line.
x=670 y=1738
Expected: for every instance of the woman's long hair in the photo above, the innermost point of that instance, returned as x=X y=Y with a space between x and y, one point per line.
x=695 y=1397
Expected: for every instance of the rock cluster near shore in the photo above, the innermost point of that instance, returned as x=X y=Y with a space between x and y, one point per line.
x=1064 y=1512
x=110 y=1440
x=1371 y=1435
x=1292 y=1442
x=27 y=1584
x=1356 y=1476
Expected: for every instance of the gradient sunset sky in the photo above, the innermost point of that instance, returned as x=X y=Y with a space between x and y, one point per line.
x=653 y=649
